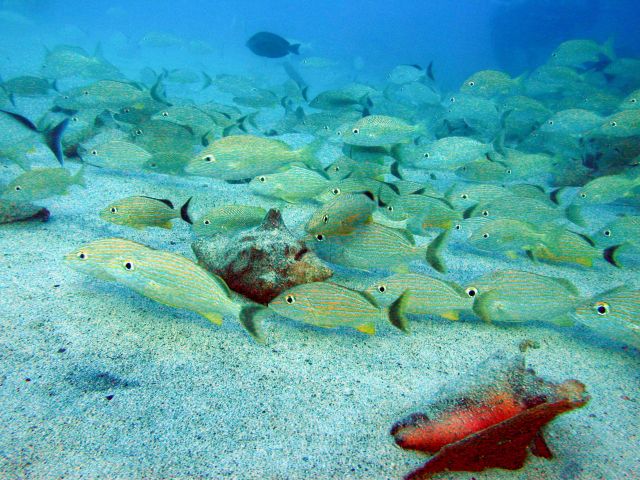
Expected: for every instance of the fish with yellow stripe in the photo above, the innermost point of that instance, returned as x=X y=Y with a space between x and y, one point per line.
x=378 y=246
x=428 y=295
x=517 y=296
x=329 y=305
x=614 y=314
x=141 y=212
x=164 y=277
x=343 y=214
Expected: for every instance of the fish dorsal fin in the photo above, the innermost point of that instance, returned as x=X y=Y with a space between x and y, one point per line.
x=163 y=200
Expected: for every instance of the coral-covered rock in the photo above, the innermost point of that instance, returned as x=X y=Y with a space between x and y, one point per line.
x=492 y=424
x=263 y=262
x=19 y=212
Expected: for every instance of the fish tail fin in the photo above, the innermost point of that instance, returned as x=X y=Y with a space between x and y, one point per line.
x=308 y=153
x=54 y=85
x=430 y=72
x=607 y=49
x=78 y=178
x=305 y=93
x=610 y=255
x=395 y=170
x=184 y=212
x=295 y=48
x=207 y=81
x=434 y=252
x=574 y=214
x=396 y=312
x=249 y=319
x=498 y=142
x=53 y=139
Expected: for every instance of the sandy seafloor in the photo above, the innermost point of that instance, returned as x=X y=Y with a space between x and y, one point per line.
x=192 y=400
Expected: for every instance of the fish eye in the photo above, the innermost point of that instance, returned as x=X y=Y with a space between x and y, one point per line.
x=509 y=171
x=138 y=132
x=426 y=155
x=153 y=165
x=85 y=92
x=382 y=288
x=355 y=131
x=66 y=97
x=290 y=299
x=129 y=265
x=471 y=83
x=390 y=208
x=602 y=308
x=583 y=195
x=326 y=127
x=339 y=133
x=94 y=152
x=614 y=124
x=18 y=188
x=336 y=169
x=207 y=222
x=464 y=196
x=336 y=191
x=485 y=213
x=125 y=110
x=607 y=233
x=452 y=99
x=208 y=158
x=82 y=255
x=471 y=291
x=319 y=237
x=262 y=179
x=485 y=235
x=633 y=100
x=113 y=210
x=550 y=122
x=458 y=226
x=554 y=55
x=165 y=114
x=74 y=119
x=325 y=219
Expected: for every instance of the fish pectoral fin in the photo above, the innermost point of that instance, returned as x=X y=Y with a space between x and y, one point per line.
x=511 y=254
x=584 y=261
x=402 y=268
x=212 y=317
x=565 y=320
x=452 y=315
x=368 y=328
x=168 y=225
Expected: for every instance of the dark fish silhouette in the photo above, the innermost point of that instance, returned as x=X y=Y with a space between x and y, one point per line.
x=270 y=45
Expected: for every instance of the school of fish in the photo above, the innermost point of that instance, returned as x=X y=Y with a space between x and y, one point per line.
x=504 y=167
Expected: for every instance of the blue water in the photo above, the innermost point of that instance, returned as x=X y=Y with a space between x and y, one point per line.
x=460 y=37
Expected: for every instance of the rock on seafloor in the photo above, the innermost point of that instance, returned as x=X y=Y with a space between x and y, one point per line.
x=263 y=262
x=19 y=212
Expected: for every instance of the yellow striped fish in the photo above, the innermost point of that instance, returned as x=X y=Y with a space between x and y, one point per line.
x=164 y=277
x=516 y=296
x=93 y=257
x=377 y=246
x=329 y=305
x=292 y=185
x=614 y=314
x=238 y=157
x=428 y=295
x=141 y=212
x=225 y=218
x=343 y=214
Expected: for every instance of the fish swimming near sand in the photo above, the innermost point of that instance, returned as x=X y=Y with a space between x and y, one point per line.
x=164 y=277
x=328 y=305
